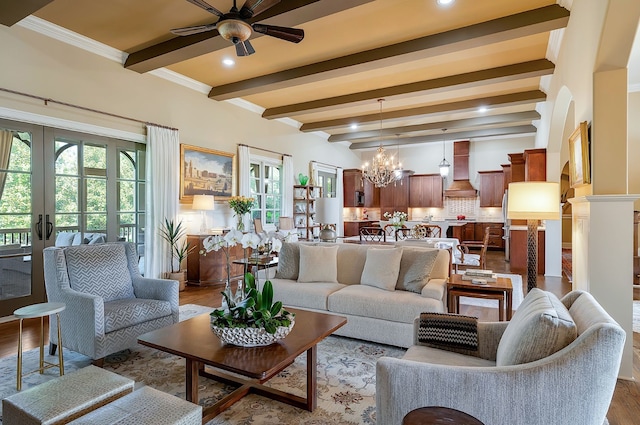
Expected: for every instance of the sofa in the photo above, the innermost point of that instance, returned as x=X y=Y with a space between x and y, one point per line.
x=77 y=238
x=555 y=362
x=380 y=289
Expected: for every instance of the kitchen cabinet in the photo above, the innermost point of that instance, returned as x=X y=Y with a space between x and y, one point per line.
x=211 y=269
x=304 y=210
x=475 y=232
x=535 y=169
x=371 y=195
x=395 y=196
x=506 y=173
x=425 y=191
x=353 y=186
x=352 y=228
x=491 y=188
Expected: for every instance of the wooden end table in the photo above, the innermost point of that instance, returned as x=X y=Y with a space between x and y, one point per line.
x=194 y=340
x=258 y=263
x=501 y=290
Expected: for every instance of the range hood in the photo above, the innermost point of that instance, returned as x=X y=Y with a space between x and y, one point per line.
x=461 y=186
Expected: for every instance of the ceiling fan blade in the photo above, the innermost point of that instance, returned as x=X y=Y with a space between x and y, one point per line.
x=206 y=6
x=244 y=48
x=293 y=35
x=193 y=30
x=252 y=8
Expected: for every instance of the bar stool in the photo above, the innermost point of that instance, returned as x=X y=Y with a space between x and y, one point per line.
x=39 y=310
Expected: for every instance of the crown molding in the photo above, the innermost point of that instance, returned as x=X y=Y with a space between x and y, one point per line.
x=56 y=32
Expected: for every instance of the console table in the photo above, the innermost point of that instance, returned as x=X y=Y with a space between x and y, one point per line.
x=211 y=269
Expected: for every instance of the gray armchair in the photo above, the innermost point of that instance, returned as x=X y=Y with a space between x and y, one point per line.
x=109 y=304
x=546 y=366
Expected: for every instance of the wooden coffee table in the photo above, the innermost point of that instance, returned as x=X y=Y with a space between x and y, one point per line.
x=501 y=290
x=194 y=340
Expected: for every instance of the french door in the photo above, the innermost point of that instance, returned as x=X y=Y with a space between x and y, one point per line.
x=59 y=187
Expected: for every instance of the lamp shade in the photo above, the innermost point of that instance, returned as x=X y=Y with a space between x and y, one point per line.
x=203 y=202
x=533 y=201
x=327 y=210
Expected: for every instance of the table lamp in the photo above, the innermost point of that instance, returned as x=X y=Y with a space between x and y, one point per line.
x=327 y=213
x=533 y=201
x=203 y=203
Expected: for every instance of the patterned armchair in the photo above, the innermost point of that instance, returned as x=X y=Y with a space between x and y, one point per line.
x=109 y=304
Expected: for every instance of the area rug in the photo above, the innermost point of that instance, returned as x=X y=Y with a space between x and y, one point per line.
x=516 y=282
x=346 y=380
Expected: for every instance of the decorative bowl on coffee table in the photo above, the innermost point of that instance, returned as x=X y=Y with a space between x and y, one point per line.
x=251 y=337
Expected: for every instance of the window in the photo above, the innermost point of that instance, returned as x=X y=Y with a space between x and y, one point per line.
x=266 y=187
x=328 y=183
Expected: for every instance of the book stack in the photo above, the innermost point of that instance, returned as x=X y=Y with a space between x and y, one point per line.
x=480 y=276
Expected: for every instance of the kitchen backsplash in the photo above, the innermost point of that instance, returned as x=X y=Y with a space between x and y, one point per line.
x=453 y=207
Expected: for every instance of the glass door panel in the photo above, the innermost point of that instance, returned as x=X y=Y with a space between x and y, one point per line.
x=20 y=195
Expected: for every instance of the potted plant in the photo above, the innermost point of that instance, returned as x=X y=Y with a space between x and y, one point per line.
x=251 y=318
x=180 y=248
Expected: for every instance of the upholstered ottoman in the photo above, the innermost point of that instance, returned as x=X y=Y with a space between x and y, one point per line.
x=63 y=399
x=145 y=406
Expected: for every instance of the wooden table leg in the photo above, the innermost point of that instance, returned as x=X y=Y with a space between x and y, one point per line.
x=192 y=369
x=501 y=308
x=312 y=378
x=509 y=304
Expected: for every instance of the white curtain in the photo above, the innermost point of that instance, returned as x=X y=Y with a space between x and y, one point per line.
x=288 y=182
x=162 y=192
x=6 y=139
x=244 y=176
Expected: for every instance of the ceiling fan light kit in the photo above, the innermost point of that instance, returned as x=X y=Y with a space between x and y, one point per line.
x=233 y=26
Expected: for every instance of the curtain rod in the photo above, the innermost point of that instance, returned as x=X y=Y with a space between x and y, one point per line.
x=47 y=100
x=266 y=150
x=324 y=163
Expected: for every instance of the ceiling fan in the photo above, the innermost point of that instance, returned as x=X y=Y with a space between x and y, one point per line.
x=233 y=25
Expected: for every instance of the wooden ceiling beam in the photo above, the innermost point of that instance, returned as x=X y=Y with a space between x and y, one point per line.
x=462 y=135
x=498 y=30
x=504 y=119
x=13 y=11
x=535 y=68
x=512 y=99
x=289 y=13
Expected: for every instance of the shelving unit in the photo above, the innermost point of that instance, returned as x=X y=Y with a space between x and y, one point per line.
x=304 y=209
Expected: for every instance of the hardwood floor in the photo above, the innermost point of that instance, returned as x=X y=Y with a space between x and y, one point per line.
x=625 y=406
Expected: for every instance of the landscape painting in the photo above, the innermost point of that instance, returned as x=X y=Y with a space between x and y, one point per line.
x=205 y=172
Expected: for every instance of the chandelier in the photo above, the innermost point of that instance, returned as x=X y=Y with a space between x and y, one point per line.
x=383 y=169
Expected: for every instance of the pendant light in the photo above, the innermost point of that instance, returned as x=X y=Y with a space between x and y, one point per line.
x=444 y=165
x=382 y=170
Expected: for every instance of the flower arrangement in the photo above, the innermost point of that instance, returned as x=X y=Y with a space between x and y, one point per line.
x=248 y=307
x=397 y=218
x=240 y=206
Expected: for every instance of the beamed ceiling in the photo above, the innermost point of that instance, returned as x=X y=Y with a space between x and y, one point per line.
x=435 y=66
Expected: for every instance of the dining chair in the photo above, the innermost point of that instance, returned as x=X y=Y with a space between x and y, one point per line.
x=257 y=226
x=372 y=234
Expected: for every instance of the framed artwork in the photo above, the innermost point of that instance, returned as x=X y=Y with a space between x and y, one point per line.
x=579 y=161
x=205 y=172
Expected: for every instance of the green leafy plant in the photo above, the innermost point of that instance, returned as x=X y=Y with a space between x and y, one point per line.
x=175 y=237
x=253 y=309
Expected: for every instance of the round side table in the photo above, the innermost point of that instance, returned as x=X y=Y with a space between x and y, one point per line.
x=39 y=310
x=434 y=415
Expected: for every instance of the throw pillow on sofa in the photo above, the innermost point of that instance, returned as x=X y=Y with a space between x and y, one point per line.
x=415 y=269
x=318 y=264
x=288 y=261
x=541 y=326
x=381 y=268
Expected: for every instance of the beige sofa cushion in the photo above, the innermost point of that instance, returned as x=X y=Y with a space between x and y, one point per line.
x=368 y=301
x=318 y=264
x=304 y=295
x=541 y=326
x=381 y=268
x=289 y=261
x=351 y=259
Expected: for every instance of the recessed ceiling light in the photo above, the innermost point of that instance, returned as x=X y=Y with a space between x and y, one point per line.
x=483 y=109
x=228 y=62
x=354 y=126
x=445 y=2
